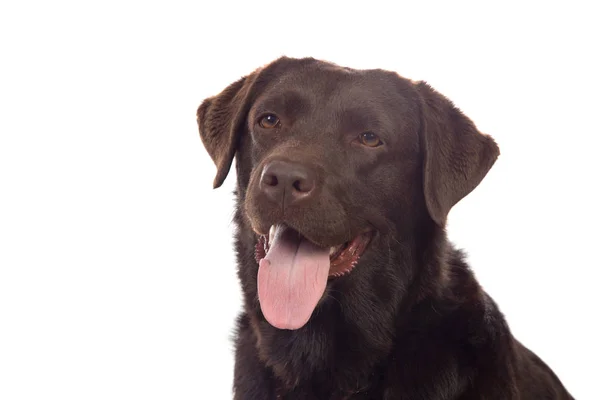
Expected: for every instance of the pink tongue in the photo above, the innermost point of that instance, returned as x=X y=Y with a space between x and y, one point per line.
x=291 y=279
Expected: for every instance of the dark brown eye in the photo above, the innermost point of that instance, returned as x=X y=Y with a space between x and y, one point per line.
x=269 y=121
x=370 y=139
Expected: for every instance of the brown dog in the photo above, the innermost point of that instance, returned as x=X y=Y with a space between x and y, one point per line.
x=351 y=289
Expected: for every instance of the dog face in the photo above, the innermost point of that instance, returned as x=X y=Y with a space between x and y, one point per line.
x=331 y=148
x=333 y=164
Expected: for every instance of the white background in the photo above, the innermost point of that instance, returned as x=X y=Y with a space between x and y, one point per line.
x=117 y=278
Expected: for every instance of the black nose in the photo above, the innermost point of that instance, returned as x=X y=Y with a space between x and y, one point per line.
x=287 y=182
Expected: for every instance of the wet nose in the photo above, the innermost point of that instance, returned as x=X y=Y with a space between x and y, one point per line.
x=287 y=182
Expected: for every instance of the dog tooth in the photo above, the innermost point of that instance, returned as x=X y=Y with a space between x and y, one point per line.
x=271 y=233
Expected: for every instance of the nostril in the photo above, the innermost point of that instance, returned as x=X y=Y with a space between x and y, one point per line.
x=298 y=186
x=302 y=185
x=270 y=180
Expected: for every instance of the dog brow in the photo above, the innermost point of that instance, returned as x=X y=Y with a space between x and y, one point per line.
x=357 y=119
x=289 y=103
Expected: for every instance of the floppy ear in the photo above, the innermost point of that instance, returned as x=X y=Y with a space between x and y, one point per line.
x=220 y=120
x=456 y=155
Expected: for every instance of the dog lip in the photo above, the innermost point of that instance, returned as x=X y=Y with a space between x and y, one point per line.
x=257 y=232
x=351 y=252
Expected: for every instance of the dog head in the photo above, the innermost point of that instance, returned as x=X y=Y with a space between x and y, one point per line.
x=332 y=164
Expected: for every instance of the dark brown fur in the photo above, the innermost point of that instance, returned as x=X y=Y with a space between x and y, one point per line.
x=410 y=321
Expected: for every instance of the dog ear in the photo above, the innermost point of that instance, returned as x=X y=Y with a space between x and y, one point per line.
x=220 y=120
x=456 y=155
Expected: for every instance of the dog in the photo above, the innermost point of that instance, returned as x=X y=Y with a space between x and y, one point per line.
x=351 y=288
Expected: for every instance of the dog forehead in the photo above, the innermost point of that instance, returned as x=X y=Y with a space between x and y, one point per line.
x=324 y=81
x=327 y=88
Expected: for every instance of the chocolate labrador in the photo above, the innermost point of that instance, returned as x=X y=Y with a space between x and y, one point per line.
x=351 y=289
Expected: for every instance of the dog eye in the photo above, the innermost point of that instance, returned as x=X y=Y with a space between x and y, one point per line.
x=269 y=121
x=370 y=139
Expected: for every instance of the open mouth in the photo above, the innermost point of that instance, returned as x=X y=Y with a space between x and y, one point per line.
x=342 y=258
x=293 y=273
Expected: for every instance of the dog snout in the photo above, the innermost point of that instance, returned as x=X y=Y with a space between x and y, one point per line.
x=286 y=183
